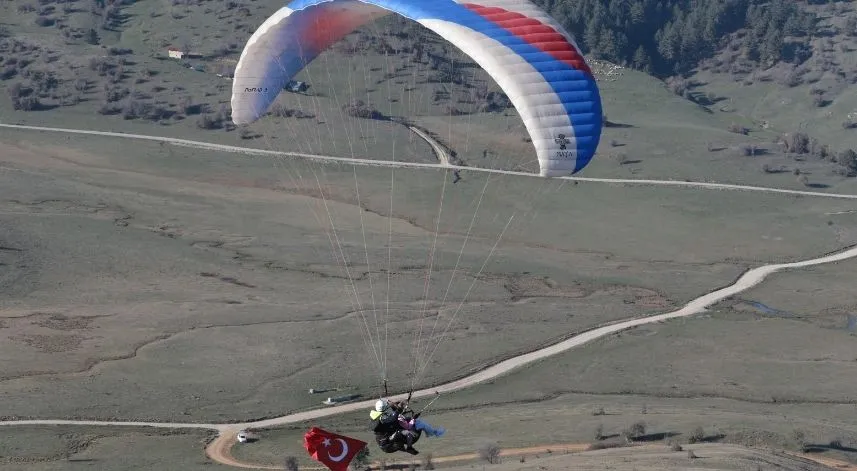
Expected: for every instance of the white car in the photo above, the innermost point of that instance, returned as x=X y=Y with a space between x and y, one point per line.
x=242 y=436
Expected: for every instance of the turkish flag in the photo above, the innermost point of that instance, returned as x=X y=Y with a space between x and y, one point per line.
x=332 y=450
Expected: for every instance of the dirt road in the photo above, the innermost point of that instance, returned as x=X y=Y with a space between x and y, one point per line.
x=219 y=450
x=389 y=163
x=222 y=445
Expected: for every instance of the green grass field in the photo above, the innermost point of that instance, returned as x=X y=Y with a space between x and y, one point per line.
x=746 y=377
x=60 y=447
x=148 y=281
x=196 y=271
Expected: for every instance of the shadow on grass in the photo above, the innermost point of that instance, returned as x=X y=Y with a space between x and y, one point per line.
x=613 y=124
x=656 y=437
x=832 y=446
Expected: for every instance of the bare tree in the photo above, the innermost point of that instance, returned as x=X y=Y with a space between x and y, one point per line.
x=490 y=452
x=635 y=431
x=697 y=435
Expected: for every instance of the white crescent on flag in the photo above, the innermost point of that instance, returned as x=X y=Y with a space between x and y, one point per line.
x=342 y=455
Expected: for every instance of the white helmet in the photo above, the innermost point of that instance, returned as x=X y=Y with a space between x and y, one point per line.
x=381 y=405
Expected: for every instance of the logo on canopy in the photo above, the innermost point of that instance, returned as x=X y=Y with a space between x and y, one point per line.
x=562 y=141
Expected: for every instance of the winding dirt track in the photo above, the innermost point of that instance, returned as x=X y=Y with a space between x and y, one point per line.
x=438 y=149
x=441 y=156
x=219 y=449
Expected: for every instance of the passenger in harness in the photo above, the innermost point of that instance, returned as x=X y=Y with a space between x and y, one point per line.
x=397 y=428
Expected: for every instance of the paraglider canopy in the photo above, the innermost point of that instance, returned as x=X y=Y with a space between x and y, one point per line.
x=530 y=56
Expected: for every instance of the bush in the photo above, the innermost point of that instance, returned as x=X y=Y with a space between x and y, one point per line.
x=8 y=72
x=27 y=103
x=635 y=431
x=207 y=121
x=44 y=21
x=738 y=129
x=796 y=143
x=291 y=463
x=360 y=109
x=108 y=108
x=697 y=435
x=599 y=432
x=119 y=51
x=489 y=452
x=676 y=446
x=748 y=150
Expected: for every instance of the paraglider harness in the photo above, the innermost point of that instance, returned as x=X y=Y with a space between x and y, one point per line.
x=392 y=438
x=398 y=439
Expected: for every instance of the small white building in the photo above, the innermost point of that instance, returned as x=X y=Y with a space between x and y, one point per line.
x=175 y=53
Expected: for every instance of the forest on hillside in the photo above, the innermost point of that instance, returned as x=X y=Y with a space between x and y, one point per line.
x=668 y=37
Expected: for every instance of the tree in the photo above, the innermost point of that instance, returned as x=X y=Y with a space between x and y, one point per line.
x=848 y=159
x=92 y=37
x=490 y=452
x=851 y=26
x=641 y=59
x=635 y=431
x=697 y=435
x=291 y=463
x=799 y=438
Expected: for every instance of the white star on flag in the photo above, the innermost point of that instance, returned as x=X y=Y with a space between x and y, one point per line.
x=326 y=442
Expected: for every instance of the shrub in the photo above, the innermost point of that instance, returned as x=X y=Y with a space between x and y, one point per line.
x=360 y=109
x=748 y=150
x=490 y=452
x=738 y=129
x=44 y=21
x=635 y=431
x=796 y=143
x=207 y=121
x=696 y=436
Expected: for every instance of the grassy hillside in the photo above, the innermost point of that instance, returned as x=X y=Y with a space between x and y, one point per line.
x=121 y=79
x=815 y=97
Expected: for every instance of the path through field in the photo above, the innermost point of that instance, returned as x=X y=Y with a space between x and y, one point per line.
x=219 y=449
x=441 y=155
